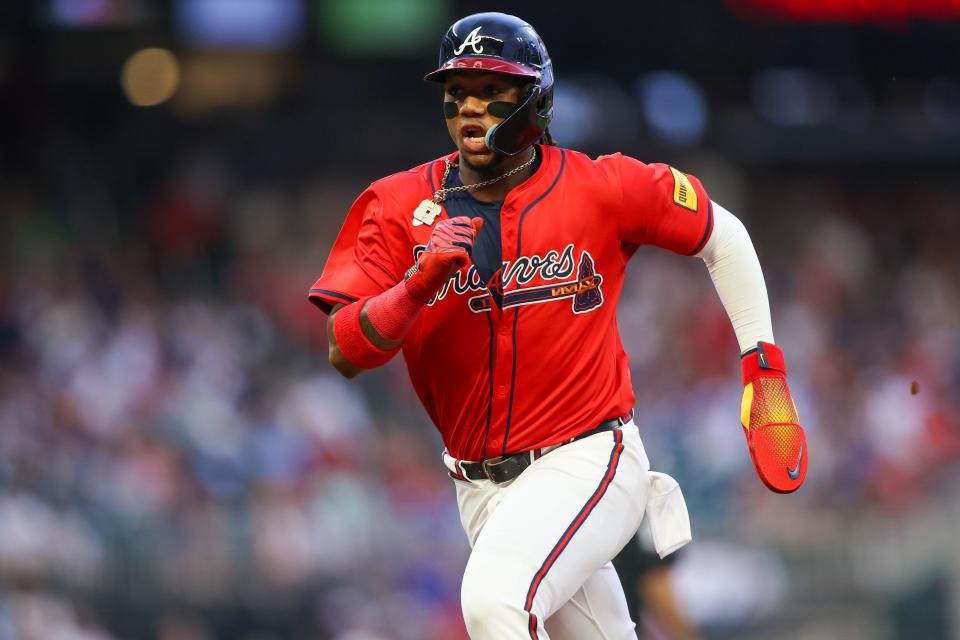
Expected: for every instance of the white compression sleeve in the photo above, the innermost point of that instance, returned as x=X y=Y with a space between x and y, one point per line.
x=736 y=274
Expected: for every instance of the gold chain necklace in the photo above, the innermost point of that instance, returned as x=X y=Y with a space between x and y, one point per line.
x=441 y=194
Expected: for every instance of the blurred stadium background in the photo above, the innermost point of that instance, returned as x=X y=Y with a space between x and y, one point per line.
x=179 y=462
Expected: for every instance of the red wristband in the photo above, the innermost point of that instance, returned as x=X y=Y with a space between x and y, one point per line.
x=766 y=360
x=352 y=342
x=394 y=311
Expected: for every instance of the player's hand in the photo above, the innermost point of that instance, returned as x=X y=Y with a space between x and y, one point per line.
x=778 y=446
x=447 y=252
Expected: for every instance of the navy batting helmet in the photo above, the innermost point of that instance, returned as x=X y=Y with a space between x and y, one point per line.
x=501 y=43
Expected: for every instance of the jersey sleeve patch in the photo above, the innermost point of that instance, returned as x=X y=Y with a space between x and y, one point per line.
x=684 y=194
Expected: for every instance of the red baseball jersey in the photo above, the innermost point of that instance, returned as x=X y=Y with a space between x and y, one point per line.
x=541 y=361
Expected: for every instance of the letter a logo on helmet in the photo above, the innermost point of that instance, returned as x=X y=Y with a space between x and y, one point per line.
x=511 y=46
x=472 y=41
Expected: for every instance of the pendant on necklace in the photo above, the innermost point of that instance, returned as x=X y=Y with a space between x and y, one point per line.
x=425 y=213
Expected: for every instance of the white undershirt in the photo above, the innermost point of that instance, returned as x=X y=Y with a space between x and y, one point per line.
x=736 y=274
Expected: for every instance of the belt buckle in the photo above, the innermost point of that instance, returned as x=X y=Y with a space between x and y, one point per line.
x=489 y=463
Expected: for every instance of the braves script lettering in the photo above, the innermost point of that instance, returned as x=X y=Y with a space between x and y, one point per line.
x=553 y=265
x=580 y=281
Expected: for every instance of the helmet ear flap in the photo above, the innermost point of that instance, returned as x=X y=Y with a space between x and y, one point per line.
x=530 y=93
x=523 y=127
x=545 y=109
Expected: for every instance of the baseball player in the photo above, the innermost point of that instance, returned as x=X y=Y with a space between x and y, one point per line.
x=496 y=270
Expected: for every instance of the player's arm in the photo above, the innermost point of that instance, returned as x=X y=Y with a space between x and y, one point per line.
x=369 y=332
x=670 y=209
x=768 y=414
x=667 y=208
x=338 y=359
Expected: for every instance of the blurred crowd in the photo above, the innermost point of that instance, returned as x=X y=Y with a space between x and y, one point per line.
x=179 y=462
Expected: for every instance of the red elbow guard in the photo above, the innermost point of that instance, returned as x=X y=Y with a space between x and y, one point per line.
x=353 y=344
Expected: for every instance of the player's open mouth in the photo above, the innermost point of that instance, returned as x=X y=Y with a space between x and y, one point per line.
x=474 y=139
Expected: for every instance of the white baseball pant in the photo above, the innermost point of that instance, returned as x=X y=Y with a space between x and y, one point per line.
x=540 y=565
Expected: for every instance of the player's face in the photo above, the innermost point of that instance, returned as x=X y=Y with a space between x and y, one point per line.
x=472 y=92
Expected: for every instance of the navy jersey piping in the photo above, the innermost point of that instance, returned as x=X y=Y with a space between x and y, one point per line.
x=516 y=317
x=706 y=231
x=333 y=294
x=325 y=306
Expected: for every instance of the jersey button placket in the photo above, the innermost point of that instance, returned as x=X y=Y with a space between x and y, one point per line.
x=503 y=370
x=503 y=365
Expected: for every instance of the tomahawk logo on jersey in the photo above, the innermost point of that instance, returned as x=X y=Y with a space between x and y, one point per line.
x=565 y=246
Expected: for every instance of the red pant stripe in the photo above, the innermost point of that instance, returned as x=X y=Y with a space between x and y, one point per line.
x=533 y=627
x=573 y=528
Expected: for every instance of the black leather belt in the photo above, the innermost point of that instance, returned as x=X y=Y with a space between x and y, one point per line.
x=505 y=468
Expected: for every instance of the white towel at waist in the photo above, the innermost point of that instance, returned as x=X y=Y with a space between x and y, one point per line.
x=667 y=512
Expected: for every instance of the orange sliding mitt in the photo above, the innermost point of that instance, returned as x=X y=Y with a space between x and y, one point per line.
x=778 y=446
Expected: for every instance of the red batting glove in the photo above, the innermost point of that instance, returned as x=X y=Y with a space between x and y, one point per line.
x=778 y=446
x=447 y=252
